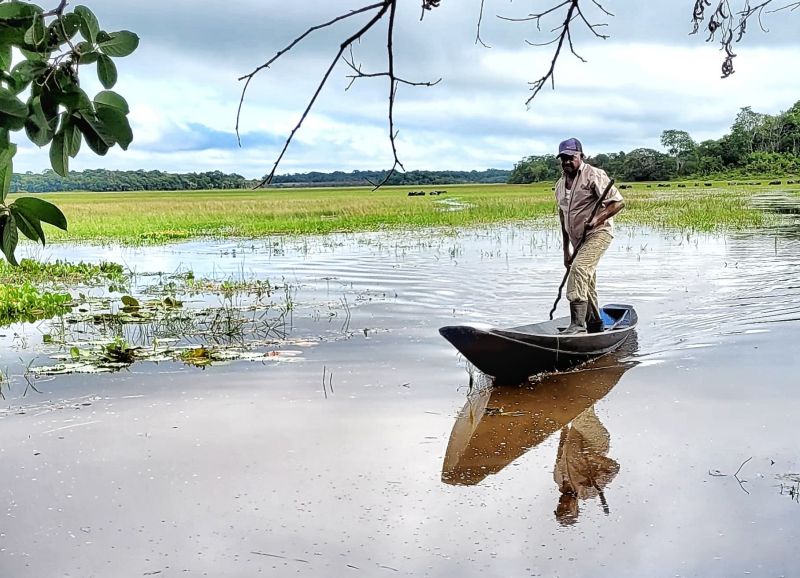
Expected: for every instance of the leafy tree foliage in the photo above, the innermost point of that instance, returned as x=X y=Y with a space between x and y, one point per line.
x=41 y=54
x=534 y=169
x=679 y=145
x=757 y=144
x=645 y=164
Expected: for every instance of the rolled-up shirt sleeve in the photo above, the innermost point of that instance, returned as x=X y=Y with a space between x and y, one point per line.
x=601 y=181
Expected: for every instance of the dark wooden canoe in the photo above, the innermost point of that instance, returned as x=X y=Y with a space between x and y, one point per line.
x=518 y=352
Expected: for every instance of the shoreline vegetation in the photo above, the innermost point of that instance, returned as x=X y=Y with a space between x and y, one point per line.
x=136 y=218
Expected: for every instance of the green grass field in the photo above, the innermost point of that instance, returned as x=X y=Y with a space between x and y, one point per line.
x=153 y=217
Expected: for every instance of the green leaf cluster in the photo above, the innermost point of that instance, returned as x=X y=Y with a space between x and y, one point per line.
x=41 y=94
x=26 y=215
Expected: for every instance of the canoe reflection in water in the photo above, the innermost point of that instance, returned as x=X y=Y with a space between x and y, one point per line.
x=499 y=424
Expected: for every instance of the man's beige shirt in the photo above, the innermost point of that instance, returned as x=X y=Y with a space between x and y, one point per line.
x=577 y=205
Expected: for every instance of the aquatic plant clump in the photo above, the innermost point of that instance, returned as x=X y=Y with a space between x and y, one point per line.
x=37 y=272
x=26 y=303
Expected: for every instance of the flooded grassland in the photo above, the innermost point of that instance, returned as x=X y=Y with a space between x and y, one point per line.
x=286 y=407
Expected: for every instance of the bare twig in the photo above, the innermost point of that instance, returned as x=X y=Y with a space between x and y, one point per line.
x=591 y=26
x=478 y=33
x=600 y=6
x=537 y=86
x=392 y=95
x=360 y=74
x=741 y=466
x=563 y=36
x=536 y=17
x=295 y=42
x=741 y=482
x=376 y=18
x=380 y=10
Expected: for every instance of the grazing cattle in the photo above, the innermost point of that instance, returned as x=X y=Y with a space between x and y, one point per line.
x=775 y=182
x=709 y=184
x=681 y=186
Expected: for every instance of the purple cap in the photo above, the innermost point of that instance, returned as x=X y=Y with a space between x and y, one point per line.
x=571 y=146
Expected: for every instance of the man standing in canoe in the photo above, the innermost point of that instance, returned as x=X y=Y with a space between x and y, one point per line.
x=577 y=193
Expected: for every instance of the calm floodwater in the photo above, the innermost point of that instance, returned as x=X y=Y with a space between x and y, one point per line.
x=394 y=466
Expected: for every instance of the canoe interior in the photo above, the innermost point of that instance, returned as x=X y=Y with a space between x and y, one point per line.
x=615 y=317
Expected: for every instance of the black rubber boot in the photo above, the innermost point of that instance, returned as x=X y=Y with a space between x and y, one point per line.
x=595 y=327
x=577 y=313
x=594 y=322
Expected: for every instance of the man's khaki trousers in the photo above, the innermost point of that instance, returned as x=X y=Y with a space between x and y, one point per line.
x=582 y=280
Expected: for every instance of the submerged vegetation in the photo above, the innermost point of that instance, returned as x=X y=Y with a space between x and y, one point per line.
x=27 y=303
x=32 y=291
x=157 y=217
x=37 y=272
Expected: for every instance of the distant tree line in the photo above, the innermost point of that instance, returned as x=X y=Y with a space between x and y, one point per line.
x=757 y=144
x=105 y=180
x=360 y=178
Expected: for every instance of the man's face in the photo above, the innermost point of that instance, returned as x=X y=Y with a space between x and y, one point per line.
x=570 y=164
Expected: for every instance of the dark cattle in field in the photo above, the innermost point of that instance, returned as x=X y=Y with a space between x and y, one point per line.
x=709 y=184
x=775 y=183
x=681 y=186
x=416 y=193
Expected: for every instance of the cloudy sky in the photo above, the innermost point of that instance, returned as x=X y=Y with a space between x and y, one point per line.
x=650 y=75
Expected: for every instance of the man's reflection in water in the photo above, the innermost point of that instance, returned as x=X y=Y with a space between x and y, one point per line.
x=582 y=469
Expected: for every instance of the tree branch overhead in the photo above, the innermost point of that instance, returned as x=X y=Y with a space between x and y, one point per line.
x=380 y=10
